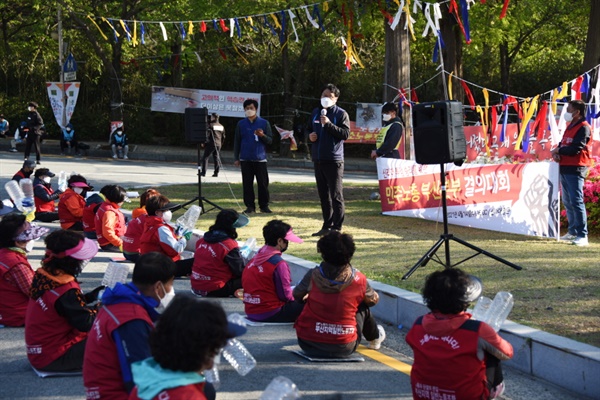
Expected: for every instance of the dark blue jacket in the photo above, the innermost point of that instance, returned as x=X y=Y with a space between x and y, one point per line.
x=246 y=145
x=329 y=146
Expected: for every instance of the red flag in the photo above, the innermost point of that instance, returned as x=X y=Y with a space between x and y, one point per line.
x=224 y=27
x=576 y=87
x=203 y=27
x=469 y=94
x=454 y=9
x=222 y=53
x=504 y=8
x=413 y=95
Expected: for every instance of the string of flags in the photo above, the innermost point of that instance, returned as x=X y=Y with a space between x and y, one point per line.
x=137 y=32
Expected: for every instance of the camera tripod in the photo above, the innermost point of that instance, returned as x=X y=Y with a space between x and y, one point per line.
x=445 y=239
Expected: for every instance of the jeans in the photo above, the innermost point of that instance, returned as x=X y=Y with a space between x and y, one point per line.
x=572 y=197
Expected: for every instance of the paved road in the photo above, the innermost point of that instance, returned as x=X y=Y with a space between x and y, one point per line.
x=380 y=377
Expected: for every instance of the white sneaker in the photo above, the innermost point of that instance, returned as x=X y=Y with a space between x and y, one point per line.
x=125 y=158
x=376 y=344
x=568 y=237
x=115 y=156
x=580 y=241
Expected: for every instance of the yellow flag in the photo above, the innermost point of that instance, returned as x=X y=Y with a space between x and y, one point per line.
x=99 y=30
x=450 y=85
x=190 y=28
x=276 y=21
x=529 y=107
x=134 y=40
x=486 y=96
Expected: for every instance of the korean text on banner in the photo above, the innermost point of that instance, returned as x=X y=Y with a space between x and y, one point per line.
x=56 y=93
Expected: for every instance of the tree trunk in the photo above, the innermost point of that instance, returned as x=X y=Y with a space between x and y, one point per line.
x=452 y=54
x=116 y=94
x=505 y=62
x=592 y=44
x=397 y=72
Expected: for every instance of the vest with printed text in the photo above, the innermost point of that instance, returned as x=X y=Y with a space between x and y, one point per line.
x=210 y=272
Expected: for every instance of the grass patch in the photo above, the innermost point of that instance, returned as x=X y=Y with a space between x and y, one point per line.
x=557 y=291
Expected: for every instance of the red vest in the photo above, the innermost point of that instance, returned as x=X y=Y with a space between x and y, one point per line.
x=66 y=218
x=150 y=240
x=102 y=376
x=260 y=295
x=13 y=302
x=583 y=159
x=189 y=392
x=19 y=175
x=447 y=364
x=41 y=205
x=47 y=334
x=133 y=234
x=210 y=272
x=105 y=207
x=331 y=317
x=89 y=217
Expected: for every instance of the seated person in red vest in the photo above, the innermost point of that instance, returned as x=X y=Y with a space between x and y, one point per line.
x=141 y=210
x=267 y=279
x=158 y=235
x=120 y=333
x=188 y=336
x=72 y=203
x=466 y=367
x=109 y=220
x=218 y=264
x=88 y=219
x=59 y=315
x=25 y=171
x=16 y=240
x=135 y=228
x=338 y=297
x=45 y=196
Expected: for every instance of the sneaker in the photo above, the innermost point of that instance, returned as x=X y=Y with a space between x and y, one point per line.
x=266 y=210
x=249 y=210
x=497 y=391
x=376 y=343
x=115 y=156
x=568 y=237
x=322 y=232
x=215 y=175
x=13 y=150
x=580 y=241
x=125 y=158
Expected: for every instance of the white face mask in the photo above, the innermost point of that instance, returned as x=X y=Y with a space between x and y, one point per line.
x=167 y=215
x=119 y=133
x=29 y=246
x=327 y=102
x=568 y=116
x=164 y=302
x=29 y=108
x=250 y=113
x=47 y=179
x=387 y=117
x=78 y=190
x=68 y=129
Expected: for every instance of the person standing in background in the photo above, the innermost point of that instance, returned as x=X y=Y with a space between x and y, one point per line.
x=35 y=124
x=330 y=127
x=252 y=135
x=216 y=135
x=388 y=140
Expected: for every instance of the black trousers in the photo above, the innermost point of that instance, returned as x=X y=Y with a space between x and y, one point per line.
x=64 y=146
x=329 y=177
x=71 y=361
x=33 y=140
x=209 y=149
x=250 y=170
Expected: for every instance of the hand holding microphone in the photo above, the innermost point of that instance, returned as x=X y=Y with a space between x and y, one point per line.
x=323 y=117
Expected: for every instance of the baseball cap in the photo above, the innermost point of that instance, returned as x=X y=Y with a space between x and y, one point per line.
x=85 y=250
x=29 y=164
x=169 y=206
x=291 y=236
x=44 y=171
x=81 y=185
x=33 y=104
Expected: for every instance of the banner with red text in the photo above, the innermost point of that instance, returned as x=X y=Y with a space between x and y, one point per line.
x=513 y=198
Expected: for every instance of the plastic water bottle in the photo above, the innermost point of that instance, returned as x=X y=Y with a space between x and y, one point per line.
x=280 y=388
x=28 y=202
x=187 y=222
x=237 y=319
x=248 y=249
x=499 y=310
x=15 y=193
x=239 y=357
x=62 y=180
x=481 y=308
x=115 y=272
x=212 y=376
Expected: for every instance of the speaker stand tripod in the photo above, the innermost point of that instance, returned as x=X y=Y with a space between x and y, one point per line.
x=445 y=240
x=201 y=199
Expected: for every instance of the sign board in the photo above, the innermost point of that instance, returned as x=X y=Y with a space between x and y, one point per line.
x=70 y=69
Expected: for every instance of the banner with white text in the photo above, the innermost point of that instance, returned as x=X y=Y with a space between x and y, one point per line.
x=513 y=198
x=176 y=100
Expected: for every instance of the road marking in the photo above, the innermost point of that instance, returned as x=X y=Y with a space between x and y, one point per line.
x=383 y=359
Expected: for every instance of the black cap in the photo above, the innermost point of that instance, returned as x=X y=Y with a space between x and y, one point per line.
x=44 y=171
x=29 y=164
x=33 y=104
x=169 y=206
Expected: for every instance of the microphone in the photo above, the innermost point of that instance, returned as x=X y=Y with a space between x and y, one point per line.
x=323 y=113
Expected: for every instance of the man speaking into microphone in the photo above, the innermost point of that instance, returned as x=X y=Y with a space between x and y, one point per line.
x=330 y=127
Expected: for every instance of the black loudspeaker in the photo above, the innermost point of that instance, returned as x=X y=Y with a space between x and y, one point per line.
x=438 y=132
x=196 y=125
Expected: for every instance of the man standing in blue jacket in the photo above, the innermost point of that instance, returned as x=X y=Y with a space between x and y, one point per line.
x=330 y=127
x=252 y=135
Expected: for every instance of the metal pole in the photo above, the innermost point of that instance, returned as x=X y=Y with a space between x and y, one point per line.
x=63 y=122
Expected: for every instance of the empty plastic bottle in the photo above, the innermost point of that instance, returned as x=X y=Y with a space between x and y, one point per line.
x=212 y=376
x=15 y=193
x=499 y=310
x=28 y=202
x=237 y=319
x=115 y=272
x=187 y=222
x=62 y=180
x=481 y=308
x=239 y=357
x=248 y=249
x=280 y=388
